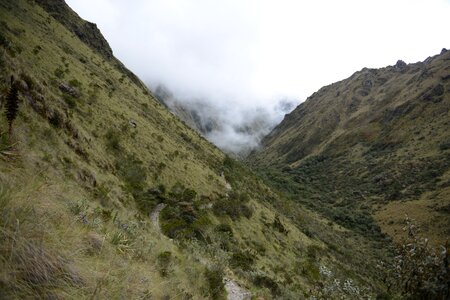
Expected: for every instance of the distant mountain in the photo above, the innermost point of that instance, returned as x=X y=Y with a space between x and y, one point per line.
x=196 y=113
x=237 y=138
x=376 y=144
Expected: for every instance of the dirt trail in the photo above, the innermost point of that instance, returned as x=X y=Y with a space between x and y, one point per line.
x=155 y=216
x=235 y=292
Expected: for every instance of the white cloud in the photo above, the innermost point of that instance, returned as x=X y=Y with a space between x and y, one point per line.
x=248 y=53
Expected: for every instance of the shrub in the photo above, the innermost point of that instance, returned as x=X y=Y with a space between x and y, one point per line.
x=242 y=259
x=112 y=140
x=224 y=229
x=420 y=272
x=163 y=261
x=444 y=146
x=132 y=172
x=37 y=49
x=214 y=278
x=277 y=225
x=147 y=200
x=311 y=270
x=70 y=101
x=189 y=195
x=267 y=282
x=174 y=228
x=59 y=72
x=75 y=83
x=235 y=206
x=183 y=221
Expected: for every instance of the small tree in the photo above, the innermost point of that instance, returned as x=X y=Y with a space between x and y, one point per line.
x=12 y=103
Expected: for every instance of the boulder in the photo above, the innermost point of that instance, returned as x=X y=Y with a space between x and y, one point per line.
x=67 y=89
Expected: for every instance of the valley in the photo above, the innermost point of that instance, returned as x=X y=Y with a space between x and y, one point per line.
x=105 y=193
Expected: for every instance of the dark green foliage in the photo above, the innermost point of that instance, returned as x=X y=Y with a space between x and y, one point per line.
x=4 y=42
x=70 y=101
x=277 y=225
x=267 y=282
x=313 y=251
x=12 y=49
x=37 y=49
x=189 y=195
x=12 y=103
x=317 y=183
x=56 y=119
x=444 y=146
x=182 y=217
x=163 y=261
x=214 y=278
x=59 y=72
x=113 y=140
x=235 y=206
x=184 y=221
x=310 y=270
x=75 y=83
x=242 y=259
x=147 y=200
x=224 y=229
x=132 y=172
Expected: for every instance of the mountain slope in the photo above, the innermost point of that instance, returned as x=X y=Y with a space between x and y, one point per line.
x=93 y=155
x=376 y=143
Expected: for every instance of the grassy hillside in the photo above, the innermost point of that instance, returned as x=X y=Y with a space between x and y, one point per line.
x=370 y=149
x=93 y=157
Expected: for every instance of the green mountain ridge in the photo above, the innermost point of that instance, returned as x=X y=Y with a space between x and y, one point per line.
x=105 y=194
x=369 y=149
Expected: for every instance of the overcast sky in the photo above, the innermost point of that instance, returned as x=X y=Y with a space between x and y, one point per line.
x=252 y=53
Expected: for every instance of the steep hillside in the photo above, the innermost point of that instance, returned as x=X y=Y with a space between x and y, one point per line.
x=196 y=114
x=104 y=194
x=375 y=146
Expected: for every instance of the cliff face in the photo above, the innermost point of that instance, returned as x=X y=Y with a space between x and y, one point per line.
x=84 y=30
x=380 y=136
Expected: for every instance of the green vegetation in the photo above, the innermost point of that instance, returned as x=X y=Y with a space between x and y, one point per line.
x=105 y=194
x=419 y=271
x=355 y=146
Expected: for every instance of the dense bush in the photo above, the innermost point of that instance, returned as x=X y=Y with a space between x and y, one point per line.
x=214 y=278
x=147 y=199
x=113 y=140
x=182 y=218
x=267 y=282
x=242 y=259
x=132 y=172
x=235 y=206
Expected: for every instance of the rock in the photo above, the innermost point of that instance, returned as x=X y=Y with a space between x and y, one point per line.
x=443 y=51
x=67 y=89
x=132 y=123
x=400 y=65
x=234 y=291
x=367 y=83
